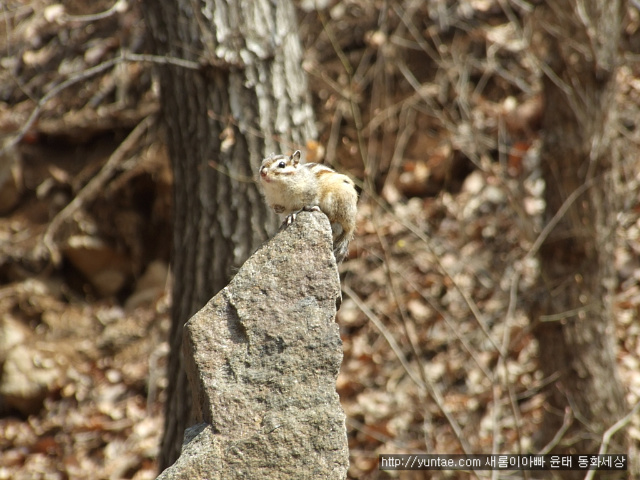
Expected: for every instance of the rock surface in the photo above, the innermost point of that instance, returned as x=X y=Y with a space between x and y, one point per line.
x=262 y=358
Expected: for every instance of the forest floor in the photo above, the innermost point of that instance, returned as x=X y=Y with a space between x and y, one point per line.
x=444 y=104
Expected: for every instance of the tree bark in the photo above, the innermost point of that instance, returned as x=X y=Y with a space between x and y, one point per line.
x=250 y=98
x=578 y=40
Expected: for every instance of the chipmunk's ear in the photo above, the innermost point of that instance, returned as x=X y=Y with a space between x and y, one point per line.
x=295 y=157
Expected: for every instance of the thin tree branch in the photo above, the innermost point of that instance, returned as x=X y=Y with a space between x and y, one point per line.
x=86 y=74
x=568 y=420
x=611 y=431
x=90 y=189
x=119 y=7
x=556 y=218
x=430 y=388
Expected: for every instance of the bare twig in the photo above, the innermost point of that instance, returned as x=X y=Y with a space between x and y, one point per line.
x=381 y=437
x=418 y=233
x=502 y=364
x=348 y=68
x=91 y=189
x=225 y=170
x=407 y=117
x=611 y=431
x=119 y=7
x=84 y=75
x=430 y=388
x=334 y=135
x=385 y=333
x=451 y=324
x=513 y=294
x=566 y=423
x=557 y=217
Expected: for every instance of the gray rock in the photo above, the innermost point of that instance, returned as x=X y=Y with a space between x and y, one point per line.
x=262 y=359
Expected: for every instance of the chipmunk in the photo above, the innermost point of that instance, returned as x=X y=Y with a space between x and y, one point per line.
x=291 y=187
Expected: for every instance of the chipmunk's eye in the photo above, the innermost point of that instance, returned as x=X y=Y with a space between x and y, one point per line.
x=282 y=165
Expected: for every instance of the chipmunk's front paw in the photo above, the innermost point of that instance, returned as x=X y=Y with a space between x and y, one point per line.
x=292 y=217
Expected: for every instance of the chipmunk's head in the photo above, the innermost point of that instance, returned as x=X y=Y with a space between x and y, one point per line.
x=279 y=166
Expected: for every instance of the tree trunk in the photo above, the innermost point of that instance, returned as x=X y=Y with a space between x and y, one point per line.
x=249 y=98
x=576 y=333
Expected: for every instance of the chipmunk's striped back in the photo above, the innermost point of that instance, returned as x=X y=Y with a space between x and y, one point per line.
x=290 y=186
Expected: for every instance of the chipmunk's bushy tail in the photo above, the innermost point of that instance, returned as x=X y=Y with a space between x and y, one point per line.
x=341 y=246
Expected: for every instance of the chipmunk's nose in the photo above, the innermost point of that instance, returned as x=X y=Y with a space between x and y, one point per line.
x=263 y=172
